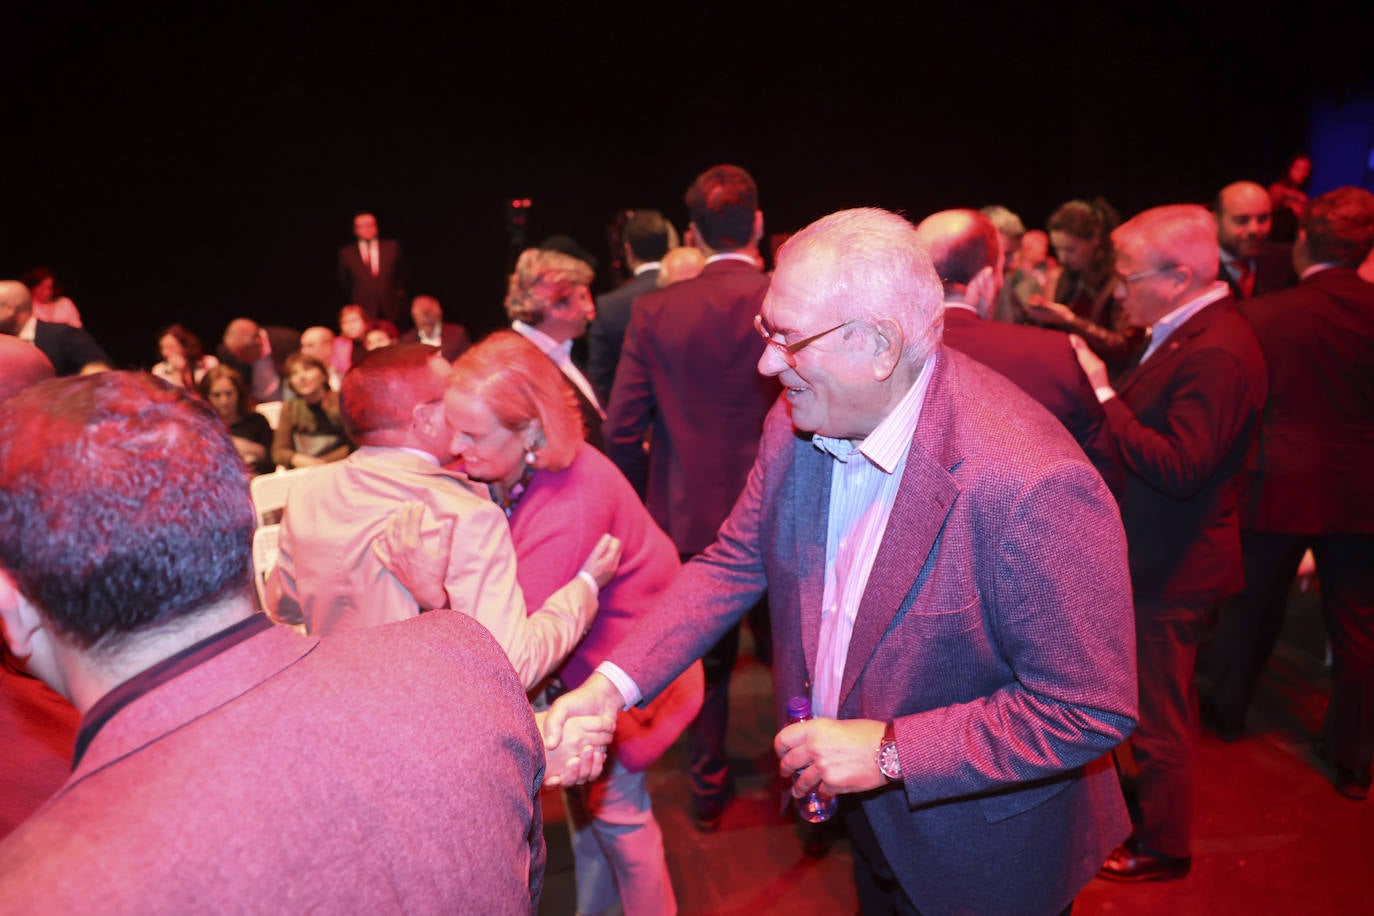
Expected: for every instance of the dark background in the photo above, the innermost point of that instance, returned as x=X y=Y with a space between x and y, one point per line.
x=195 y=166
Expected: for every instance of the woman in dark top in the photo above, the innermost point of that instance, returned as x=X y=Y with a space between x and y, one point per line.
x=224 y=388
x=1085 y=301
x=310 y=430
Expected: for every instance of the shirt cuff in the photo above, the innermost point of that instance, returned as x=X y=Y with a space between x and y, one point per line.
x=591 y=582
x=1104 y=394
x=629 y=690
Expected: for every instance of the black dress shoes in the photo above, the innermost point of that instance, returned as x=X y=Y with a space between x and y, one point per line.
x=1347 y=782
x=1128 y=862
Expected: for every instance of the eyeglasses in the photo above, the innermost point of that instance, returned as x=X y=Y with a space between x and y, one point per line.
x=789 y=351
x=1128 y=279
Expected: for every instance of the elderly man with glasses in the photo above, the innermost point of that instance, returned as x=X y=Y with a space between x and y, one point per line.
x=1184 y=418
x=947 y=579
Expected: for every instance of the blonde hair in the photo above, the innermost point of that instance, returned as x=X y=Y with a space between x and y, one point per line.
x=520 y=384
x=541 y=280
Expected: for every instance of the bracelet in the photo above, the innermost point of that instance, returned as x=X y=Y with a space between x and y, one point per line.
x=591 y=582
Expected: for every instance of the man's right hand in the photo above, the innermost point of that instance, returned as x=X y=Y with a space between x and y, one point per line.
x=596 y=697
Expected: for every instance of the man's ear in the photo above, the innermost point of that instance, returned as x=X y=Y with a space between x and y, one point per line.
x=982 y=290
x=21 y=620
x=428 y=418
x=758 y=226
x=887 y=347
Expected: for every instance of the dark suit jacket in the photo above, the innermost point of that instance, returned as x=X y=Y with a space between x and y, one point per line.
x=1184 y=420
x=1002 y=569
x=1273 y=270
x=66 y=347
x=689 y=370
x=1312 y=469
x=252 y=779
x=382 y=296
x=607 y=331
x=1043 y=365
x=453 y=340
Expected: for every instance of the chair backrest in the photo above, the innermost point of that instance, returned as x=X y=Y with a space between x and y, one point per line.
x=264 y=558
x=272 y=411
x=269 y=492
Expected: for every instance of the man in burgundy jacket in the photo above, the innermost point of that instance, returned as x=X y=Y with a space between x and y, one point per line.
x=223 y=763
x=686 y=376
x=1309 y=482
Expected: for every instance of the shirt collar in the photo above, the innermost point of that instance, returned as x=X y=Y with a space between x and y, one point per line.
x=650 y=265
x=1166 y=325
x=418 y=453
x=732 y=256
x=951 y=304
x=151 y=678
x=888 y=443
x=29 y=329
x=541 y=340
x=1318 y=268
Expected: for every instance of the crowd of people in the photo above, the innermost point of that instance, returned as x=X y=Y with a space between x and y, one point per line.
x=991 y=488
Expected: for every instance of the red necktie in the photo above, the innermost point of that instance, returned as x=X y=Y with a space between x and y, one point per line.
x=1245 y=278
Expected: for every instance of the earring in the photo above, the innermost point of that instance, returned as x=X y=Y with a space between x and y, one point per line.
x=530 y=456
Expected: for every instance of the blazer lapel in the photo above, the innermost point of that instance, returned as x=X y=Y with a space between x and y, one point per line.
x=924 y=500
x=1161 y=359
x=812 y=496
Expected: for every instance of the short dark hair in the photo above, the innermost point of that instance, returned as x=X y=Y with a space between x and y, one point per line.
x=722 y=203
x=123 y=505
x=380 y=391
x=646 y=232
x=1340 y=226
x=958 y=260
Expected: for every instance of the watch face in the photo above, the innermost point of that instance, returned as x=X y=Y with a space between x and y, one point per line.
x=888 y=763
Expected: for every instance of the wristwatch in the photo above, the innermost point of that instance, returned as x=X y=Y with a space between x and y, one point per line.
x=888 y=763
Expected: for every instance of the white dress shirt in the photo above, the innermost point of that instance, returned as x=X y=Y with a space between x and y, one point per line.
x=561 y=354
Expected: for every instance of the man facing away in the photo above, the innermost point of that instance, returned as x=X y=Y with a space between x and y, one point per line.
x=328 y=576
x=222 y=761
x=947 y=579
x=686 y=374
x=1184 y=418
x=964 y=247
x=1308 y=483
x=647 y=238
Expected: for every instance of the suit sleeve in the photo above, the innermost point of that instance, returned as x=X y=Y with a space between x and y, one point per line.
x=1059 y=612
x=601 y=359
x=717 y=587
x=1209 y=404
x=632 y=405
x=481 y=582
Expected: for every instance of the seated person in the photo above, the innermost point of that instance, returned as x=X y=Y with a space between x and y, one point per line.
x=226 y=391
x=380 y=333
x=184 y=360
x=310 y=431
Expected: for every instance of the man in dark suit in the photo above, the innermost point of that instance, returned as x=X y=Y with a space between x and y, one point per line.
x=372 y=273
x=964 y=246
x=1184 y=418
x=940 y=562
x=1250 y=264
x=431 y=328
x=687 y=373
x=69 y=349
x=210 y=736
x=647 y=237
x=1309 y=483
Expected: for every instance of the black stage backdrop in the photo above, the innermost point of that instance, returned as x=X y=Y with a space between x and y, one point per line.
x=197 y=166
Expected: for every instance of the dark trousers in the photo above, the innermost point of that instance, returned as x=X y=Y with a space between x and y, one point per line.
x=1250 y=627
x=1165 y=740
x=707 y=760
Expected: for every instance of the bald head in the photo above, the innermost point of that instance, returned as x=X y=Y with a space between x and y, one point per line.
x=318 y=343
x=16 y=304
x=966 y=249
x=241 y=339
x=21 y=365
x=1243 y=216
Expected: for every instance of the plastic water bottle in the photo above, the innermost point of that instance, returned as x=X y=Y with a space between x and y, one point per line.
x=815 y=807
